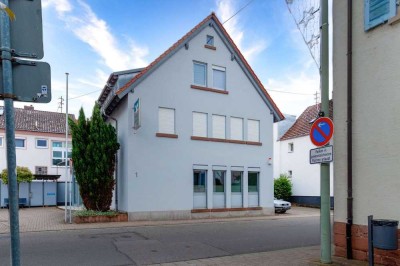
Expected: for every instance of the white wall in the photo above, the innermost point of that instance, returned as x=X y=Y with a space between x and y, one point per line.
x=30 y=156
x=376 y=97
x=306 y=176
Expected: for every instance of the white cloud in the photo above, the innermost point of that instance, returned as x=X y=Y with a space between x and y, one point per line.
x=225 y=10
x=95 y=32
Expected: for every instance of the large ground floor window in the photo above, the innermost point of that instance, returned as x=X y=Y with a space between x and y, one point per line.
x=219 y=181
x=199 y=181
x=253 y=181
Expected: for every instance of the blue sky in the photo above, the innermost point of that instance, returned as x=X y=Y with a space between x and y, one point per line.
x=92 y=38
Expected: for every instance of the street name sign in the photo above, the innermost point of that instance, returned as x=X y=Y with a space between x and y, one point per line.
x=321 y=131
x=321 y=155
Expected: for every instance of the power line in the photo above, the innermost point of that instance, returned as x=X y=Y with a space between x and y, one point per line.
x=298 y=93
x=83 y=95
x=248 y=3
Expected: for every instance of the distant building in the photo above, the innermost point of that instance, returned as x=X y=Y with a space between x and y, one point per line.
x=195 y=128
x=295 y=146
x=367 y=125
x=39 y=140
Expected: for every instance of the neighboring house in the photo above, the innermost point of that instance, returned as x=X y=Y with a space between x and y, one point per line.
x=367 y=125
x=295 y=146
x=280 y=128
x=39 y=141
x=195 y=129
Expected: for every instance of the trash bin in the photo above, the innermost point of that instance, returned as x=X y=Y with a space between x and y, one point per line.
x=385 y=234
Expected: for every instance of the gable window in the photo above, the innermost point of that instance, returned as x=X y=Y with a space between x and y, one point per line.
x=59 y=153
x=166 y=120
x=218 y=126
x=200 y=74
x=378 y=12
x=290 y=173
x=1 y=141
x=41 y=143
x=291 y=147
x=210 y=40
x=199 y=124
x=219 y=77
x=253 y=130
x=236 y=128
x=20 y=143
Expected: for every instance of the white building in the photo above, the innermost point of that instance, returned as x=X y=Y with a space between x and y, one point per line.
x=294 y=159
x=195 y=129
x=39 y=140
x=366 y=92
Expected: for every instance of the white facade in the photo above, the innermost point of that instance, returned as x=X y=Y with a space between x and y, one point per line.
x=205 y=131
x=33 y=156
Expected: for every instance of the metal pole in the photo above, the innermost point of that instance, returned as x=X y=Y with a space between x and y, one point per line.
x=10 y=137
x=370 y=242
x=66 y=150
x=325 y=178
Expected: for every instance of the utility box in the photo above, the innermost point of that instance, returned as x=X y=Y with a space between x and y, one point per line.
x=385 y=234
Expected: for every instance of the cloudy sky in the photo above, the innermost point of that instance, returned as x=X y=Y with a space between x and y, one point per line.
x=89 y=39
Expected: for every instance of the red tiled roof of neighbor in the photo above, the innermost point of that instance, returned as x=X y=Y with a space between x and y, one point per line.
x=302 y=125
x=180 y=41
x=29 y=119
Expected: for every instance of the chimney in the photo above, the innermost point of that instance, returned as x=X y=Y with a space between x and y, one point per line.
x=30 y=108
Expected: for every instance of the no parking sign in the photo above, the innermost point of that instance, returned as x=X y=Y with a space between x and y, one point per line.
x=321 y=131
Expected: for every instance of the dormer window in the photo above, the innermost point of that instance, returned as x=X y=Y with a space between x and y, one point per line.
x=210 y=40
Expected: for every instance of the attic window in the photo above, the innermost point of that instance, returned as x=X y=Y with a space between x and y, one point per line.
x=291 y=147
x=210 y=40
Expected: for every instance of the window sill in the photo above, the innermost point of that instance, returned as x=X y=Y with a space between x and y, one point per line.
x=210 y=47
x=226 y=209
x=226 y=141
x=208 y=89
x=165 y=135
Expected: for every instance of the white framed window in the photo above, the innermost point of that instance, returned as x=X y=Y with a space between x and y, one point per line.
x=59 y=153
x=219 y=77
x=210 y=40
x=291 y=147
x=290 y=173
x=166 y=120
x=236 y=128
x=218 y=127
x=253 y=181
x=20 y=143
x=253 y=130
x=199 y=124
x=1 y=141
x=200 y=74
x=41 y=143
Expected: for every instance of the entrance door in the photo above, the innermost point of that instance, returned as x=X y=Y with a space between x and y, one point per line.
x=237 y=189
x=199 y=189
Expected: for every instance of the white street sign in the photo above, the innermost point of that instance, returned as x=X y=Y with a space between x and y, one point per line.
x=321 y=155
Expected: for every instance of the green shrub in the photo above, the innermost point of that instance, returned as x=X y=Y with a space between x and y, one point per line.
x=85 y=213
x=283 y=187
x=23 y=175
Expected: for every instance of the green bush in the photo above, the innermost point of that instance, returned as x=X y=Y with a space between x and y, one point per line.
x=283 y=187
x=23 y=175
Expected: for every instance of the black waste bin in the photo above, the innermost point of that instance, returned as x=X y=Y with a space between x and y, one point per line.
x=385 y=234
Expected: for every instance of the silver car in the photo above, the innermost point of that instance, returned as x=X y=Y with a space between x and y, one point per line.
x=281 y=206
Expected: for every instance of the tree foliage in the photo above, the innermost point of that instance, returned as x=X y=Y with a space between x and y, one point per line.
x=23 y=175
x=282 y=187
x=94 y=145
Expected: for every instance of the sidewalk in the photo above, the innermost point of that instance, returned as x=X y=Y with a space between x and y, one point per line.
x=52 y=219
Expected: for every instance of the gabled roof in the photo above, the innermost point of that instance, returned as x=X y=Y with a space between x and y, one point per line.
x=108 y=105
x=303 y=124
x=29 y=119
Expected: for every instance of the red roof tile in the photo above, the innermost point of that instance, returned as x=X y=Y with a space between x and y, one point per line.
x=302 y=125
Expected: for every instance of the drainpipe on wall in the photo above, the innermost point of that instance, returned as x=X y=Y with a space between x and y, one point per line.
x=349 y=129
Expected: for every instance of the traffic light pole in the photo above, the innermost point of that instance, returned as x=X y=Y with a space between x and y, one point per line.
x=10 y=137
x=325 y=178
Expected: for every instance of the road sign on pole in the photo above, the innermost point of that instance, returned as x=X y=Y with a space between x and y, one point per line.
x=321 y=155
x=321 y=131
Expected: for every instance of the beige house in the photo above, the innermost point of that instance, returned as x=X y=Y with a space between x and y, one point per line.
x=366 y=92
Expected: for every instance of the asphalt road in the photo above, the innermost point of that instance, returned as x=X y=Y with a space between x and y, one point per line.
x=161 y=244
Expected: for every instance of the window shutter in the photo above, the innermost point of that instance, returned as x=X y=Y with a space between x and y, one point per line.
x=166 y=120
x=378 y=12
x=218 y=124
x=236 y=128
x=199 y=74
x=253 y=130
x=219 y=78
x=199 y=124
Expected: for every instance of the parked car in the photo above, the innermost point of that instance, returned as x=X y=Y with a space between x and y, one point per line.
x=281 y=206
